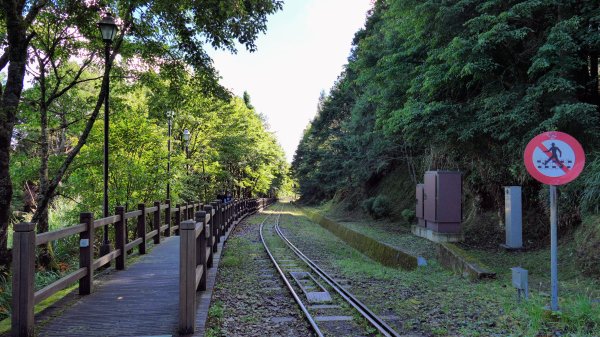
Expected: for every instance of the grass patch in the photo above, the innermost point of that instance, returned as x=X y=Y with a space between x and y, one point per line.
x=235 y=257
x=216 y=312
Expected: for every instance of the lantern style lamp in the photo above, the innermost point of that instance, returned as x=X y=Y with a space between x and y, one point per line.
x=108 y=28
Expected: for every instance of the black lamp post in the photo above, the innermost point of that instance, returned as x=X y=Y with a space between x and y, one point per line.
x=170 y=115
x=186 y=139
x=108 y=29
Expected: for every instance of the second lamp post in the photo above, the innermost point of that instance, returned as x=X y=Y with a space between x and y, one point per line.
x=108 y=29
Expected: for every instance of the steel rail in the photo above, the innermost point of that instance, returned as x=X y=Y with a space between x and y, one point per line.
x=308 y=316
x=375 y=320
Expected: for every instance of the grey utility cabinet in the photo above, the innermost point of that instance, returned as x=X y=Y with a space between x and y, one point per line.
x=443 y=201
x=513 y=217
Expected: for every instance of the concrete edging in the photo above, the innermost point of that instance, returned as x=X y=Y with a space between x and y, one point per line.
x=457 y=260
x=449 y=256
x=376 y=250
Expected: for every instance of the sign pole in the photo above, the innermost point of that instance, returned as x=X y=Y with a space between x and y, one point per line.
x=554 y=247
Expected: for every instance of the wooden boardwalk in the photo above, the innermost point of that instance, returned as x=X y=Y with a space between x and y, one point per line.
x=142 y=300
x=139 y=301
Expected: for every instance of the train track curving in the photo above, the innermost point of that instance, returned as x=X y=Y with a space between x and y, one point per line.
x=327 y=305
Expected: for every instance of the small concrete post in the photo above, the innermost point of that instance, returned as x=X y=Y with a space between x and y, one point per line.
x=23 y=275
x=513 y=217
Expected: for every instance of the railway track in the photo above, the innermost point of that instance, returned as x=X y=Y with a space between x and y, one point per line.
x=327 y=305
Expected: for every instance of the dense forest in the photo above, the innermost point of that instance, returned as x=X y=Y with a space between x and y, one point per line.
x=462 y=85
x=53 y=84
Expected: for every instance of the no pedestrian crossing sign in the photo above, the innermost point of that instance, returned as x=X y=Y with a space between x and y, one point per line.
x=554 y=158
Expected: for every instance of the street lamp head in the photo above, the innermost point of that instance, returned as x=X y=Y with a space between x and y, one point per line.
x=170 y=114
x=186 y=135
x=108 y=28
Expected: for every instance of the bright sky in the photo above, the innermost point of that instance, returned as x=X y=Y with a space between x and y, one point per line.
x=302 y=53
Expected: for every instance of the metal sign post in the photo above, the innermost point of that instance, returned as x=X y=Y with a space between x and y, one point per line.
x=554 y=158
x=553 y=248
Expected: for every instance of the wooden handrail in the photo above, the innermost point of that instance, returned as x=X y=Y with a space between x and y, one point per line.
x=43 y=238
x=133 y=244
x=106 y=259
x=106 y=221
x=151 y=234
x=199 y=274
x=132 y=214
x=151 y=209
x=59 y=285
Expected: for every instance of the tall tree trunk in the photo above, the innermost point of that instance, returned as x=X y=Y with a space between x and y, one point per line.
x=16 y=31
x=40 y=217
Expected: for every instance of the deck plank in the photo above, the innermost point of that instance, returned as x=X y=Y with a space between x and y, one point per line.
x=141 y=300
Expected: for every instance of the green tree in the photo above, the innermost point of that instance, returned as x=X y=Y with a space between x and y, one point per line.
x=179 y=39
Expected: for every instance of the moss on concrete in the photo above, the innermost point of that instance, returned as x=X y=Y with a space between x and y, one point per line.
x=454 y=258
x=378 y=251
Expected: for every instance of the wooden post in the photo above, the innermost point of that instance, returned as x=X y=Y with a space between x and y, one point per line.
x=168 y=218
x=209 y=243
x=177 y=218
x=226 y=216
x=221 y=217
x=156 y=222
x=187 y=277
x=201 y=250
x=216 y=224
x=141 y=228
x=86 y=253
x=230 y=214
x=184 y=213
x=212 y=240
x=120 y=237
x=23 y=275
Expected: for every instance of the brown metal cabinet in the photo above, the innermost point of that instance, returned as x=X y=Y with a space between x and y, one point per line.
x=442 y=201
x=420 y=212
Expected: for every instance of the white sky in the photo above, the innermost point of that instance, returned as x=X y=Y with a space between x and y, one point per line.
x=302 y=53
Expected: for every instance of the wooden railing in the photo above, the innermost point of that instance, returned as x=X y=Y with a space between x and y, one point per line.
x=199 y=241
x=25 y=240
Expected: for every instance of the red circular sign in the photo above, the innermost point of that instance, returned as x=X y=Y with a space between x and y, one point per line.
x=554 y=158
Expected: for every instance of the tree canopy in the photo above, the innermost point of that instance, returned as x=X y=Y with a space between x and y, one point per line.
x=457 y=85
x=157 y=62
